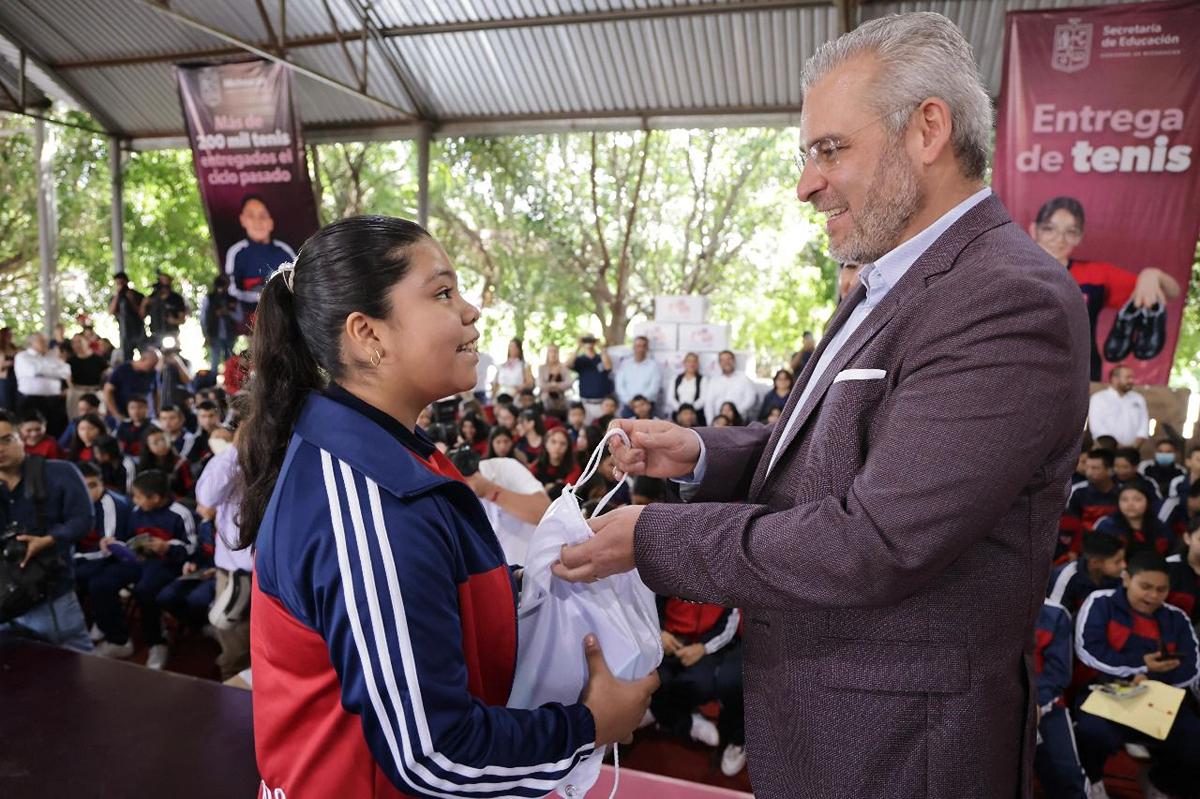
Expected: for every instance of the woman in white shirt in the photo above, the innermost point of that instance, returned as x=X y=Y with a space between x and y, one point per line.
x=514 y=374
x=688 y=386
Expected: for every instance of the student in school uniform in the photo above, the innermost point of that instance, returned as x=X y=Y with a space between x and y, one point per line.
x=1135 y=523
x=172 y=532
x=383 y=619
x=111 y=514
x=1131 y=633
x=1184 y=570
x=1056 y=760
x=131 y=431
x=696 y=638
x=1100 y=566
x=1089 y=502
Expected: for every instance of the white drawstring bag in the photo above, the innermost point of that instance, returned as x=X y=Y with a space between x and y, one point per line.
x=554 y=616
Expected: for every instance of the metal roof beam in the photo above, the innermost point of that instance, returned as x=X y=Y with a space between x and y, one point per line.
x=466 y=26
x=61 y=87
x=262 y=53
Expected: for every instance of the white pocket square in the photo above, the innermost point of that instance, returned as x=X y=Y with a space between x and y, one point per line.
x=860 y=374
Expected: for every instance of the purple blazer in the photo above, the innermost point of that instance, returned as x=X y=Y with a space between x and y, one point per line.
x=892 y=565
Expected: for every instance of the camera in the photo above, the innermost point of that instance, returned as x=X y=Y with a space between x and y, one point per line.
x=465 y=459
x=11 y=549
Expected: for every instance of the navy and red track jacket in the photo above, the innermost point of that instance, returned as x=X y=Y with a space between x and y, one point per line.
x=1052 y=653
x=1185 y=586
x=383 y=626
x=1114 y=639
x=1086 y=506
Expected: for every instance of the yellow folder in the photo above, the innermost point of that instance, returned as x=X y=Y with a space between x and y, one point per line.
x=1152 y=711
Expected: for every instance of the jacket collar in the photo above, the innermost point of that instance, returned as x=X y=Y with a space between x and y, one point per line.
x=351 y=435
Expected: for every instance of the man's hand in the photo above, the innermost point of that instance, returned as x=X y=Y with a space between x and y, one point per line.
x=690 y=655
x=1157 y=666
x=670 y=643
x=191 y=567
x=657 y=448
x=34 y=545
x=608 y=552
x=104 y=542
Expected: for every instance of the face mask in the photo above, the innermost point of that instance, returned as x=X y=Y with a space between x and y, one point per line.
x=1164 y=458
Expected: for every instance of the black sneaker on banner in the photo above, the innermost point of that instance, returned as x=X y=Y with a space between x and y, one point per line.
x=1150 y=332
x=1120 y=338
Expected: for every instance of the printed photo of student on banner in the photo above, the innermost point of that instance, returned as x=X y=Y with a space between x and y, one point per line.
x=1096 y=154
x=250 y=163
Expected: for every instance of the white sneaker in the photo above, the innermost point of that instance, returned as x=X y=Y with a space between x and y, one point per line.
x=733 y=760
x=1137 y=751
x=158 y=657
x=96 y=634
x=647 y=719
x=110 y=650
x=704 y=731
x=1096 y=790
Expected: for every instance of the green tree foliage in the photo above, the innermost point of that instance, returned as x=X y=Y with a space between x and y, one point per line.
x=553 y=235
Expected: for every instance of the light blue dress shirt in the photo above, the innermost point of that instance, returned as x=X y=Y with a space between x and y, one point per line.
x=878 y=277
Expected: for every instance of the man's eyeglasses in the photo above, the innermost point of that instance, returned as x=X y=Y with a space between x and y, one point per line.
x=824 y=151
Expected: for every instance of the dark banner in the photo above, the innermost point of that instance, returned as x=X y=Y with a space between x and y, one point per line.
x=1100 y=104
x=251 y=167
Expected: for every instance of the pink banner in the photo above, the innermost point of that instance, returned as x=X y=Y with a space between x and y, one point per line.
x=1100 y=104
x=251 y=166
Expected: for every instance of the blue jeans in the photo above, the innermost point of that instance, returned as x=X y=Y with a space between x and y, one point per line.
x=58 y=621
x=219 y=350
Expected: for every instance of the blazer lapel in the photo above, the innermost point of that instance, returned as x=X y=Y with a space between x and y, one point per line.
x=835 y=324
x=939 y=257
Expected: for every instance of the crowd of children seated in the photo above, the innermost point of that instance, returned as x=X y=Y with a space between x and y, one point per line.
x=1121 y=607
x=150 y=553
x=1121 y=601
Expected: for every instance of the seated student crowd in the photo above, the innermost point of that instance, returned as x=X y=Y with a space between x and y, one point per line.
x=157 y=510
x=1126 y=613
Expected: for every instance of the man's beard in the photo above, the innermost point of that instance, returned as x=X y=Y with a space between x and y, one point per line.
x=892 y=200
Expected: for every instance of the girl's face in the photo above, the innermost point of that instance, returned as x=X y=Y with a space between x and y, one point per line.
x=552 y=353
x=1132 y=504
x=727 y=408
x=557 y=444
x=783 y=383
x=502 y=446
x=514 y=351
x=468 y=431
x=428 y=343
x=581 y=441
x=87 y=432
x=505 y=418
x=1059 y=235
x=100 y=455
x=691 y=364
x=158 y=445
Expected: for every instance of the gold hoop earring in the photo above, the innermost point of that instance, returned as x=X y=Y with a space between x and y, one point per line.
x=376 y=358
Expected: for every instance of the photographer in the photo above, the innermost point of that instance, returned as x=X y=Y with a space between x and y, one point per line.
x=44 y=510
x=166 y=308
x=593 y=367
x=126 y=306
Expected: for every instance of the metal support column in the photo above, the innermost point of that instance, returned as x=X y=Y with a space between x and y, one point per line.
x=423 y=175
x=47 y=213
x=118 y=204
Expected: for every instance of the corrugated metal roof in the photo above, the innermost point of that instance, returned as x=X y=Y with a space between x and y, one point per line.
x=467 y=65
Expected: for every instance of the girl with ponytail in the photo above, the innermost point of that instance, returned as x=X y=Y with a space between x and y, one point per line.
x=383 y=620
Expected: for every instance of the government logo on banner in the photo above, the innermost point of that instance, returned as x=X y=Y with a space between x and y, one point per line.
x=1072 y=46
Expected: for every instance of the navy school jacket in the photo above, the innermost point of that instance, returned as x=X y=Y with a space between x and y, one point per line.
x=1071 y=583
x=383 y=626
x=1111 y=637
x=172 y=523
x=1052 y=653
x=111 y=521
x=1185 y=586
